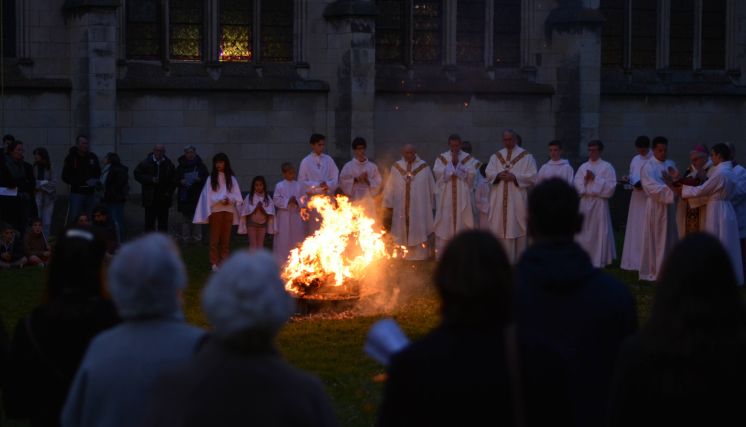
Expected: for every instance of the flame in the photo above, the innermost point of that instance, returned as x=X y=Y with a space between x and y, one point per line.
x=342 y=249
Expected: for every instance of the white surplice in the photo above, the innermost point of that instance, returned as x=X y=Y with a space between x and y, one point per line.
x=509 y=200
x=359 y=190
x=556 y=169
x=739 y=198
x=453 y=195
x=250 y=204
x=635 y=216
x=409 y=192
x=290 y=230
x=482 y=201
x=659 y=231
x=212 y=200
x=597 y=235
x=721 y=220
x=315 y=169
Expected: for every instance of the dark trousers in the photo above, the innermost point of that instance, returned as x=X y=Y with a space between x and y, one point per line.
x=156 y=218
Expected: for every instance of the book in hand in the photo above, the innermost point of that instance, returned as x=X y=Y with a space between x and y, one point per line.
x=385 y=339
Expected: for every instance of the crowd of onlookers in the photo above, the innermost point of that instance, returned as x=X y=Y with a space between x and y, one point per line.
x=551 y=341
x=98 y=192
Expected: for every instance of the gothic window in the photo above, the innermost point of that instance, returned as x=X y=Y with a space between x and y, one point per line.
x=276 y=34
x=236 y=26
x=507 y=31
x=713 y=34
x=143 y=30
x=470 y=32
x=612 y=33
x=644 y=30
x=9 y=28
x=682 y=34
x=427 y=37
x=185 y=29
x=390 y=30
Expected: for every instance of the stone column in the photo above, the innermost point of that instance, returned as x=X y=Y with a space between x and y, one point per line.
x=92 y=26
x=352 y=95
x=575 y=34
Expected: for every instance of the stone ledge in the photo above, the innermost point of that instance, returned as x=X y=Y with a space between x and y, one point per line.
x=669 y=82
x=350 y=8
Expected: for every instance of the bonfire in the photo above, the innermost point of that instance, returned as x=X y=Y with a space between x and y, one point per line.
x=338 y=256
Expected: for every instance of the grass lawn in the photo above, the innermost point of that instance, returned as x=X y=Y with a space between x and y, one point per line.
x=329 y=346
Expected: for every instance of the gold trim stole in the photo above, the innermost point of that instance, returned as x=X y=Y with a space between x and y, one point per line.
x=454 y=188
x=507 y=165
x=408 y=175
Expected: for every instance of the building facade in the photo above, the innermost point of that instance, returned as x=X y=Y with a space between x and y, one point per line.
x=254 y=78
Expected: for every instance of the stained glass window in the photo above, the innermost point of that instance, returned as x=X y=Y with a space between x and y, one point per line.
x=612 y=33
x=470 y=32
x=507 y=30
x=644 y=33
x=185 y=29
x=713 y=34
x=143 y=31
x=236 y=26
x=390 y=25
x=277 y=31
x=682 y=34
x=427 y=20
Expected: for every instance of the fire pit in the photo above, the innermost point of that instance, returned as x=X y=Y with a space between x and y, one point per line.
x=321 y=298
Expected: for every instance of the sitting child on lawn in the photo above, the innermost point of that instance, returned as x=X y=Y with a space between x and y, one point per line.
x=11 y=248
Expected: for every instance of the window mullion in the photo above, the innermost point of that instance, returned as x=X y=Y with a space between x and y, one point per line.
x=697 y=48
x=663 y=54
x=489 y=33
x=257 y=57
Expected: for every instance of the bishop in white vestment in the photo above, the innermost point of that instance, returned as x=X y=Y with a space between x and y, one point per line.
x=409 y=194
x=512 y=171
x=596 y=182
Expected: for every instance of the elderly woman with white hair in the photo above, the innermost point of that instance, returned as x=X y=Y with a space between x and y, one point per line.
x=238 y=378
x=116 y=377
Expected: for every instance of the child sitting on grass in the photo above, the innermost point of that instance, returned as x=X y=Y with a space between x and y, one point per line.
x=11 y=248
x=35 y=244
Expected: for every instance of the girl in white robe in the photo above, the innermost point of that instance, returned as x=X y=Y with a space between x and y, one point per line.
x=288 y=199
x=257 y=214
x=218 y=205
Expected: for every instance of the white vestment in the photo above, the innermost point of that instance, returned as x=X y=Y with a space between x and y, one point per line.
x=721 y=218
x=250 y=204
x=509 y=200
x=409 y=193
x=635 y=216
x=315 y=169
x=659 y=232
x=212 y=201
x=482 y=201
x=684 y=206
x=290 y=229
x=739 y=198
x=453 y=195
x=556 y=169
x=597 y=235
x=361 y=192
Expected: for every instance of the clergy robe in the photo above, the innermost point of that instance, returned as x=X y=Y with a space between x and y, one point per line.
x=250 y=204
x=739 y=198
x=635 y=216
x=409 y=193
x=453 y=196
x=482 y=201
x=556 y=169
x=689 y=218
x=597 y=234
x=315 y=169
x=290 y=229
x=361 y=192
x=659 y=232
x=720 y=218
x=509 y=200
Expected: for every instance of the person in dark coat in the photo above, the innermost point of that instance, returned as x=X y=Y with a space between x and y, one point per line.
x=191 y=175
x=472 y=369
x=577 y=310
x=116 y=190
x=157 y=175
x=49 y=343
x=82 y=172
x=15 y=173
x=686 y=365
x=238 y=378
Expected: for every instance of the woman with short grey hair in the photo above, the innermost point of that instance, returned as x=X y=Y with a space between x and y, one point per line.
x=117 y=375
x=239 y=378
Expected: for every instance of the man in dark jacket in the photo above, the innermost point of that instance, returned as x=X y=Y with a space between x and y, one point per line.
x=157 y=175
x=17 y=175
x=191 y=175
x=82 y=172
x=577 y=310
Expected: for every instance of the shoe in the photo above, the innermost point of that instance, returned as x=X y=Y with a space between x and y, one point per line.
x=214 y=268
